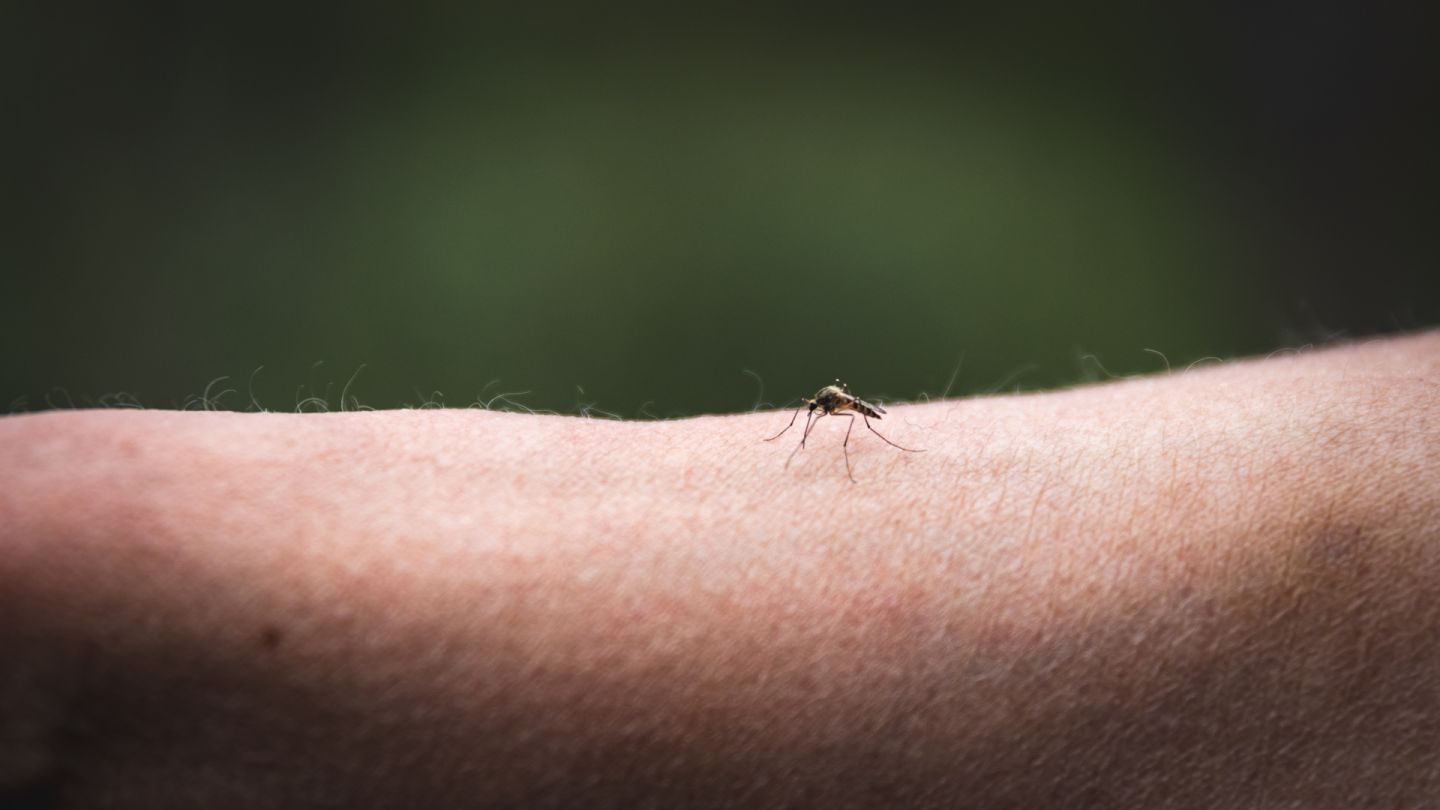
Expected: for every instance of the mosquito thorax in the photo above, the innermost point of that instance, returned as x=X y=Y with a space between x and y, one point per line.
x=830 y=397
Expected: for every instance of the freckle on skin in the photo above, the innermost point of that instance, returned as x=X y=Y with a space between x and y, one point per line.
x=270 y=637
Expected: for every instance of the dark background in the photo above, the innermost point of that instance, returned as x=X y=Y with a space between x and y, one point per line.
x=630 y=208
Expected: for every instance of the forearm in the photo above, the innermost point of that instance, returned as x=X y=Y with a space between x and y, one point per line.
x=1209 y=586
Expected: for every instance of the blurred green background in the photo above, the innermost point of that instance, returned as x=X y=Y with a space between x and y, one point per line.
x=630 y=208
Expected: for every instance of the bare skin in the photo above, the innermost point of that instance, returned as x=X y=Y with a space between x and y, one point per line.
x=1216 y=588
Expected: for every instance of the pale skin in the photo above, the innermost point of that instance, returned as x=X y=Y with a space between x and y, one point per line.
x=1212 y=588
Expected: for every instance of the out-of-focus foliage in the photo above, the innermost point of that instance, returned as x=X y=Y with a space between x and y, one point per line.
x=630 y=209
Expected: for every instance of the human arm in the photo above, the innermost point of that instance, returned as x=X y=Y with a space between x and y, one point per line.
x=1207 y=588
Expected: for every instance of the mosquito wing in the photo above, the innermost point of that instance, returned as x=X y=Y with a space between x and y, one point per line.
x=873 y=409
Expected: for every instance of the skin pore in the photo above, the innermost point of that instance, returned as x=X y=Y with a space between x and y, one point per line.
x=1207 y=588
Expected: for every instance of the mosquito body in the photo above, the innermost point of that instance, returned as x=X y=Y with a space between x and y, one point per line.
x=837 y=399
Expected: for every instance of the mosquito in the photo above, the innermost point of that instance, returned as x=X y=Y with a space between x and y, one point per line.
x=837 y=399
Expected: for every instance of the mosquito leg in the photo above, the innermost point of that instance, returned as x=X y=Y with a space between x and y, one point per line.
x=809 y=426
x=846 y=447
x=887 y=441
x=801 y=445
x=787 y=427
